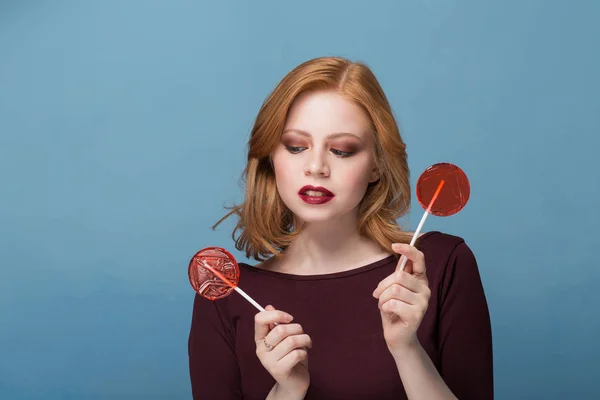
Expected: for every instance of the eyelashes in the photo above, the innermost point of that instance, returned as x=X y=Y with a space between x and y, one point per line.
x=294 y=149
x=341 y=153
x=336 y=152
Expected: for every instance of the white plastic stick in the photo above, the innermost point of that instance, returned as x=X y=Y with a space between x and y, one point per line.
x=422 y=222
x=240 y=291
x=414 y=238
x=250 y=299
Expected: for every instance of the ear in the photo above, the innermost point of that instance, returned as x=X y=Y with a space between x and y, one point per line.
x=375 y=175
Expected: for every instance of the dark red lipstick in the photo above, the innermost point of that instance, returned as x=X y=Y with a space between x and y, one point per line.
x=323 y=197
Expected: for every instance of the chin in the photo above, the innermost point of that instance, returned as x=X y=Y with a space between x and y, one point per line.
x=312 y=214
x=314 y=219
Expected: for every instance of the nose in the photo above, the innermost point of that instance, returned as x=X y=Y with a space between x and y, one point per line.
x=316 y=166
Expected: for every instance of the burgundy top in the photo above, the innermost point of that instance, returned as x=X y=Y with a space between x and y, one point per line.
x=349 y=358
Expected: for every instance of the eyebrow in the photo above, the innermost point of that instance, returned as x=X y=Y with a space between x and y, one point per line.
x=330 y=136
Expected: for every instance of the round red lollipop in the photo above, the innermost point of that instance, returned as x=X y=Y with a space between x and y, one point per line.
x=214 y=273
x=205 y=268
x=442 y=190
x=454 y=195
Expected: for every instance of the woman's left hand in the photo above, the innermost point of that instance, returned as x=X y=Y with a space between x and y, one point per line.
x=403 y=299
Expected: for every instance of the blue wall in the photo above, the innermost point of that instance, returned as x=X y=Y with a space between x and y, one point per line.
x=123 y=126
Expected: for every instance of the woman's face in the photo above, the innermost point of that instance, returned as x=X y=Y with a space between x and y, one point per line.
x=326 y=157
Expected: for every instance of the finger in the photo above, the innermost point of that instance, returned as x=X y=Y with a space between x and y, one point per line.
x=290 y=360
x=407 y=313
x=401 y=293
x=270 y=308
x=291 y=343
x=413 y=254
x=269 y=316
x=402 y=278
x=280 y=332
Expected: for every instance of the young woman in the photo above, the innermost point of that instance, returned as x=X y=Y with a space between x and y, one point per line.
x=326 y=180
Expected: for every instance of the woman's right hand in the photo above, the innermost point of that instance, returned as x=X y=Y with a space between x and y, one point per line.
x=281 y=348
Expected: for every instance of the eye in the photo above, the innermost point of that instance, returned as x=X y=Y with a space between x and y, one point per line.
x=294 y=149
x=341 y=153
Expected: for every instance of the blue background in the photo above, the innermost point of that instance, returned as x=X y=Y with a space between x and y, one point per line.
x=123 y=127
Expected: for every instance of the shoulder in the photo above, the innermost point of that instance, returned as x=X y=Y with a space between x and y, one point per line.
x=443 y=250
x=443 y=245
x=269 y=264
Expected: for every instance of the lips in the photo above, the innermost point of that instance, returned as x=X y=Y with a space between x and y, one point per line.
x=315 y=194
x=320 y=189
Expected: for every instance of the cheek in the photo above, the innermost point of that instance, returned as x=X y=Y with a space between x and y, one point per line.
x=355 y=182
x=357 y=177
x=280 y=166
x=283 y=173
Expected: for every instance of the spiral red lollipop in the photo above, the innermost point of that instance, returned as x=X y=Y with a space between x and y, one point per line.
x=204 y=270
x=214 y=273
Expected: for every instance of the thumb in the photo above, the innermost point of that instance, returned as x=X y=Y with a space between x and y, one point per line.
x=270 y=308
x=408 y=267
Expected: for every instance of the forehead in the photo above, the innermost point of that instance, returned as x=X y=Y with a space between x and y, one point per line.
x=323 y=113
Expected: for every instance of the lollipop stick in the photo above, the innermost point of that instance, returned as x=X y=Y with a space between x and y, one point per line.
x=250 y=299
x=422 y=222
x=240 y=291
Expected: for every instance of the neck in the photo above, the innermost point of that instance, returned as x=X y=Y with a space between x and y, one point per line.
x=330 y=247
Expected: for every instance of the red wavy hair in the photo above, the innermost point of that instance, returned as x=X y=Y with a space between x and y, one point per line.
x=266 y=226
